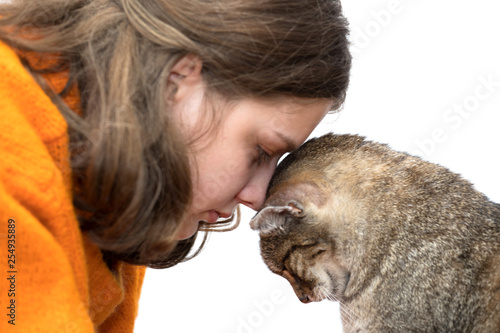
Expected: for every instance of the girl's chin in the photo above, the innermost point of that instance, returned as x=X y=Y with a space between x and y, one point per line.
x=190 y=225
x=187 y=231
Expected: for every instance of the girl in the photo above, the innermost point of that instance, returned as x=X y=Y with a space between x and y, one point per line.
x=128 y=126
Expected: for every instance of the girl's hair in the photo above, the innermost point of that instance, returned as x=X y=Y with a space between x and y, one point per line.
x=131 y=173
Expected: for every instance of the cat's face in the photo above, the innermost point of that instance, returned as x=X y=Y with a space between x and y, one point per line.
x=297 y=246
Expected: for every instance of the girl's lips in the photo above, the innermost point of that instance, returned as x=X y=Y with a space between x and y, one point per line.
x=213 y=216
x=225 y=215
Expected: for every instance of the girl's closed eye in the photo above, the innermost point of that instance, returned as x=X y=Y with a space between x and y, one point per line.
x=262 y=156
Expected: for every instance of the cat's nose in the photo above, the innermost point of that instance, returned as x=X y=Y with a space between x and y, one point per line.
x=305 y=299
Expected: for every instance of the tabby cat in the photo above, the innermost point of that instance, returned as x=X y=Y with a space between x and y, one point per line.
x=404 y=245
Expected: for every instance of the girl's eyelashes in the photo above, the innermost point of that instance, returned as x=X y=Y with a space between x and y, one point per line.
x=262 y=156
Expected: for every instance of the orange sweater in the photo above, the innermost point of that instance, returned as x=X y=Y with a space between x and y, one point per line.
x=52 y=278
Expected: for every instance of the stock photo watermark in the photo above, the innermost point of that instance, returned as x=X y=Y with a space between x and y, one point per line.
x=454 y=117
x=380 y=20
x=11 y=271
x=262 y=310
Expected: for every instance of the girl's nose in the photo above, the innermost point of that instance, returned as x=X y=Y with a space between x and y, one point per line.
x=253 y=193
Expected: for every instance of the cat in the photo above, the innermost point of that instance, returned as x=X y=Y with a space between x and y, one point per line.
x=403 y=244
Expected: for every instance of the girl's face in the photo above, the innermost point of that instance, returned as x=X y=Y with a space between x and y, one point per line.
x=233 y=162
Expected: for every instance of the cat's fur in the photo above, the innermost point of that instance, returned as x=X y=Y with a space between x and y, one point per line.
x=403 y=244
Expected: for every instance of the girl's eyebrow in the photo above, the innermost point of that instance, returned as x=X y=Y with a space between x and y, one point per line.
x=290 y=144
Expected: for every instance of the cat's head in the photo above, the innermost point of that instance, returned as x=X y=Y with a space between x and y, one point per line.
x=313 y=223
x=297 y=245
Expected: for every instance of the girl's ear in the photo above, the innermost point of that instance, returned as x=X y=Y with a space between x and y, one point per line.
x=273 y=218
x=185 y=73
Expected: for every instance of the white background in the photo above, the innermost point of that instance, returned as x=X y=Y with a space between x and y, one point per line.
x=413 y=68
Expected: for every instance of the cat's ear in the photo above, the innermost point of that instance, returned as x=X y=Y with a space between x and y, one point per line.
x=297 y=209
x=274 y=217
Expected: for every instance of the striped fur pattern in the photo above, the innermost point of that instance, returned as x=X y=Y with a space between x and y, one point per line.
x=404 y=245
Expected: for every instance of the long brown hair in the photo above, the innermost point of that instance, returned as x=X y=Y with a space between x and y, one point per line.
x=129 y=165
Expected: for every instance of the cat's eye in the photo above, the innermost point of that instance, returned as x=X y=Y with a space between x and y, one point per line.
x=317 y=253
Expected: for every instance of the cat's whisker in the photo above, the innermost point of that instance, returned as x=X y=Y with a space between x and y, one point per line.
x=350 y=315
x=326 y=294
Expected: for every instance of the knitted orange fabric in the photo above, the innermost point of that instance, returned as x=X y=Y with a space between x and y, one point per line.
x=55 y=279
